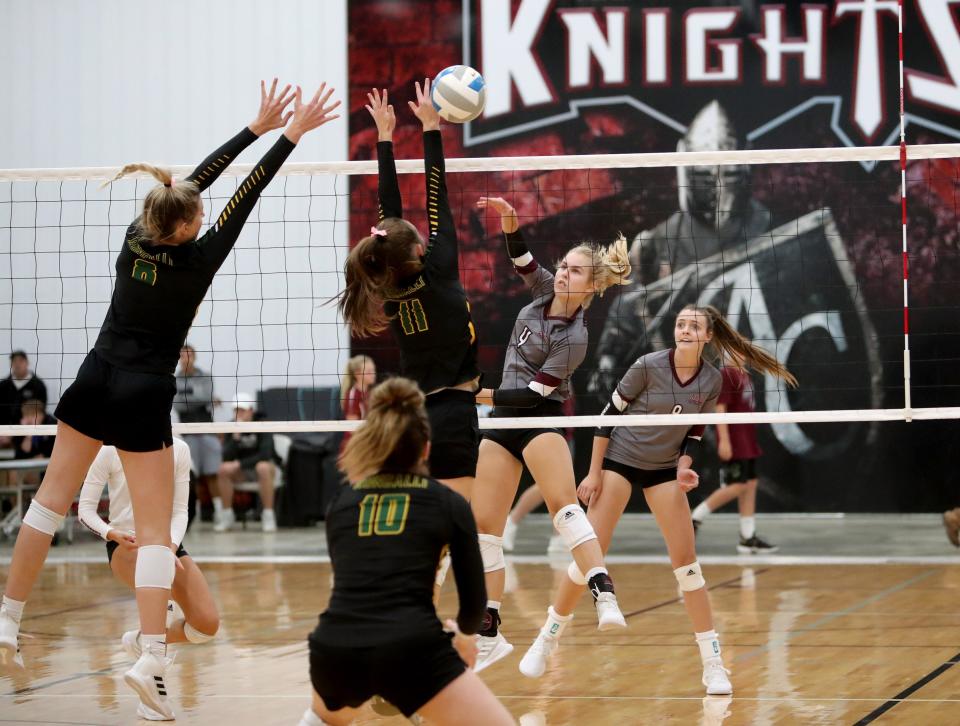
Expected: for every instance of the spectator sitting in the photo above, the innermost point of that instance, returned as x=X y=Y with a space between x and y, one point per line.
x=358 y=378
x=194 y=403
x=21 y=385
x=33 y=413
x=247 y=456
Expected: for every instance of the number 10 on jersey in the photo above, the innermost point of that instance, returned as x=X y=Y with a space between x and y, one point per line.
x=383 y=514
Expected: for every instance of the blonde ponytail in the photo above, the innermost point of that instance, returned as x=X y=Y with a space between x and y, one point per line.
x=166 y=206
x=610 y=265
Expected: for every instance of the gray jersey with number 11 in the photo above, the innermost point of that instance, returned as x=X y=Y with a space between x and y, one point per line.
x=652 y=386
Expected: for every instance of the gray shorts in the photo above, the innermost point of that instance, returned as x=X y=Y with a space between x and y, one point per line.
x=206 y=453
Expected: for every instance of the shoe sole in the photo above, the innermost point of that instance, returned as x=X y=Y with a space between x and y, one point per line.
x=148 y=714
x=145 y=695
x=755 y=551
x=501 y=652
x=720 y=691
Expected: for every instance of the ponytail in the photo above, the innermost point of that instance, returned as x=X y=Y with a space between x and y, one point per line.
x=165 y=207
x=394 y=435
x=731 y=344
x=610 y=265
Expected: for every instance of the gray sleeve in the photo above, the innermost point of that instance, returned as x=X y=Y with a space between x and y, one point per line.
x=634 y=381
x=539 y=280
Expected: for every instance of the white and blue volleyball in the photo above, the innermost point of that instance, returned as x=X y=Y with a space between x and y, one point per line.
x=458 y=94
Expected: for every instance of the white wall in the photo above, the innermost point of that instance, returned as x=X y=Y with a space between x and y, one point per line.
x=106 y=82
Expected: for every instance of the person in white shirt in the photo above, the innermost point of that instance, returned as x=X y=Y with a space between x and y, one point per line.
x=190 y=590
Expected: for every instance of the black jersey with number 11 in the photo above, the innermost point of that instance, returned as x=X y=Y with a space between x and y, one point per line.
x=429 y=312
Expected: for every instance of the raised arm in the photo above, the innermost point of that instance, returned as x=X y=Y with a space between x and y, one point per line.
x=388 y=190
x=442 y=245
x=271 y=116
x=219 y=240
x=539 y=280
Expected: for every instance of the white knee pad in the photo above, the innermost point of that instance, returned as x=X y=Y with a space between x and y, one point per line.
x=690 y=577
x=156 y=566
x=442 y=570
x=195 y=636
x=573 y=526
x=42 y=519
x=573 y=572
x=491 y=551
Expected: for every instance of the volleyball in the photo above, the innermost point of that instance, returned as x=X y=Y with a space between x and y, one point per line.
x=458 y=94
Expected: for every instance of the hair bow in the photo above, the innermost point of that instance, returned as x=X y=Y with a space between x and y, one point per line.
x=378 y=232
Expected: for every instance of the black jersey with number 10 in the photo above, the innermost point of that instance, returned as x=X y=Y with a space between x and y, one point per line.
x=385 y=536
x=429 y=312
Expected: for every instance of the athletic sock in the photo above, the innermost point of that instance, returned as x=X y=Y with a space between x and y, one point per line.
x=154 y=644
x=556 y=623
x=709 y=644
x=701 y=512
x=748 y=527
x=12 y=608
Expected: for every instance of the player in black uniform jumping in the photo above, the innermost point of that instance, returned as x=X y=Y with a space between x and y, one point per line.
x=396 y=279
x=380 y=634
x=124 y=390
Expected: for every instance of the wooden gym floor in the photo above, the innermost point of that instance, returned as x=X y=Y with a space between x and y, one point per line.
x=807 y=644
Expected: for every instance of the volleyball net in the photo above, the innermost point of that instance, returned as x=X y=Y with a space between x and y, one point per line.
x=803 y=250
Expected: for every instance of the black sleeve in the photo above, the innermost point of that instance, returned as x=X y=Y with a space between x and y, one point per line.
x=219 y=240
x=211 y=167
x=516 y=246
x=467 y=566
x=516 y=397
x=388 y=189
x=442 y=246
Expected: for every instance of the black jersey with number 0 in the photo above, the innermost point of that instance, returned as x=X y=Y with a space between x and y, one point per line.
x=159 y=287
x=429 y=312
x=385 y=536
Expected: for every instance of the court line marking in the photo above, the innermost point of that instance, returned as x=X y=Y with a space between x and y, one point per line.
x=790 y=634
x=906 y=692
x=737 y=560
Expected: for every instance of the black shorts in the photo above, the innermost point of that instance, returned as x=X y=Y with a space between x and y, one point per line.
x=112 y=547
x=737 y=471
x=121 y=408
x=454 y=434
x=643 y=478
x=406 y=673
x=516 y=440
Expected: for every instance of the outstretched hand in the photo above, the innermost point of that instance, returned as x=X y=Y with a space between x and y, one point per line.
x=272 y=106
x=383 y=115
x=423 y=109
x=508 y=215
x=311 y=114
